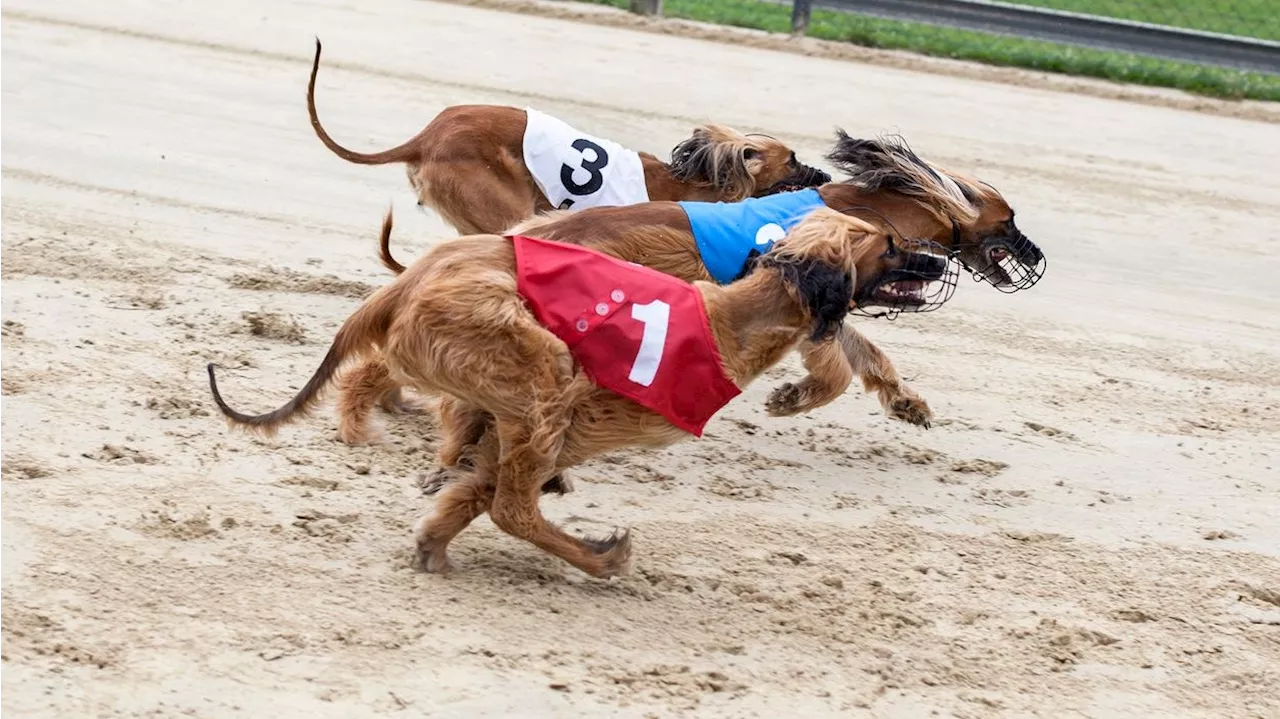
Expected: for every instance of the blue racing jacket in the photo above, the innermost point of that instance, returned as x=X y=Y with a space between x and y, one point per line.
x=728 y=233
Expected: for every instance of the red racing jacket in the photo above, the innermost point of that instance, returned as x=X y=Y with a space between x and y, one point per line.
x=635 y=331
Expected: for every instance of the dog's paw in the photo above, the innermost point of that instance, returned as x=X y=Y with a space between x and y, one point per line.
x=362 y=435
x=432 y=562
x=611 y=555
x=559 y=484
x=784 y=400
x=429 y=555
x=910 y=408
x=435 y=480
x=399 y=404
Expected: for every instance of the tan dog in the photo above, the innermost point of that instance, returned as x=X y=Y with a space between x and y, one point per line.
x=468 y=165
x=889 y=186
x=454 y=324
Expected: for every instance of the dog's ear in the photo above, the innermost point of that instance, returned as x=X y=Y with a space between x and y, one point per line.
x=690 y=160
x=828 y=292
x=819 y=259
x=752 y=161
x=873 y=164
x=720 y=157
x=888 y=163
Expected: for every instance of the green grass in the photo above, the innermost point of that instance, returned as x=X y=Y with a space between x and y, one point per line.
x=982 y=47
x=1248 y=18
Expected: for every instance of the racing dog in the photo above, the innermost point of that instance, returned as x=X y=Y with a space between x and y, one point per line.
x=484 y=168
x=574 y=353
x=888 y=185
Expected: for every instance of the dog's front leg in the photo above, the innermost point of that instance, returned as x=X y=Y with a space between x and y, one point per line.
x=829 y=376
x=879 y=375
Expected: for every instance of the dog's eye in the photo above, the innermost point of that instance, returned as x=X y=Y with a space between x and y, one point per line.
x=750 y=153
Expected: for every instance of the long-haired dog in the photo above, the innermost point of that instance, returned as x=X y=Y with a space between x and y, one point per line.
x=983 y=234
x=888 y=186
x=454 y=323
x=469 y=165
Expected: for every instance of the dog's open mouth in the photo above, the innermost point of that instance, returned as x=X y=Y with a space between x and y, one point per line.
x=1009 y=263
x=924 y=282
x=902 y=292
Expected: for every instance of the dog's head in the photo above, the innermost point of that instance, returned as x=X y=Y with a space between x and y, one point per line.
x=993 y=249
x=835 y=263
x=741 y=166
x=970 y=218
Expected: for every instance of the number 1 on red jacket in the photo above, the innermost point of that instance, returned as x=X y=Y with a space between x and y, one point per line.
x=582 y=295
x=654 y=316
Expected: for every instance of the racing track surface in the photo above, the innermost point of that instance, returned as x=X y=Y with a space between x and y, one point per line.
x=1089 y=527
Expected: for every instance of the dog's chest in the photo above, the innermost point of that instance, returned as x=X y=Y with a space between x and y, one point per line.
x=728 y=234
x=575 y=170
x=636 y=332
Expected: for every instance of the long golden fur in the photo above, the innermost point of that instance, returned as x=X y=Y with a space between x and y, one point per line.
x=888 y=186
x=468 y=165
x=454 y=324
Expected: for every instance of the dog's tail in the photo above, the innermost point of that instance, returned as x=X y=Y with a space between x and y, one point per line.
x=408 y=152
x=384 y=247
x=358 y=335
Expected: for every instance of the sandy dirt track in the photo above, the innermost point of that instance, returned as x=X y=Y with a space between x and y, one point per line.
x=1089 y=529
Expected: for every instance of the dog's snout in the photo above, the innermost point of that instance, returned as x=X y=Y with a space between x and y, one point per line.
x=929 y=267
x=815 y=177
x=1025 y=249
x=807 y=176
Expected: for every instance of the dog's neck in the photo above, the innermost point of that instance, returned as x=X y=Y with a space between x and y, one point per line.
x=756 y=321
x=663 y=185
x=906 y=216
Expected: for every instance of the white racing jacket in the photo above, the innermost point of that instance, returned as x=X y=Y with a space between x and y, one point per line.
x=575 y=170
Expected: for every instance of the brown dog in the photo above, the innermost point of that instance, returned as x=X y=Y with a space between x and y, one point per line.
x=469 y=165
x=454 y=323
x=889 y=186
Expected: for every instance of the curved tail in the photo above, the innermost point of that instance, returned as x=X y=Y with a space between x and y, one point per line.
x=367 y=327
x=407 y=152
x=384 y=246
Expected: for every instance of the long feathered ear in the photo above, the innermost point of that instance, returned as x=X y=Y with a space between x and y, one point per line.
x=874 y=164
x=828 y=292
x=834 y=238
x=720 y=157
x=890 y=164
x=819 y=258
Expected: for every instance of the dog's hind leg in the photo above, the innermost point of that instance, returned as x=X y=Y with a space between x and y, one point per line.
x=362 y=389
x=462 y=500
x=467 y=495
x=464 y=494
x=524 y=468
x=395 y=402
x=487 y=202
x=461 y=427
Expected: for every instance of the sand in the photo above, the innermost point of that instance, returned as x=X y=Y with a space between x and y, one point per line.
x=1089 y=529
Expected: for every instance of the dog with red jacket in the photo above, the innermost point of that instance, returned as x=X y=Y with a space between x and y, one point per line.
x=600 y=367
